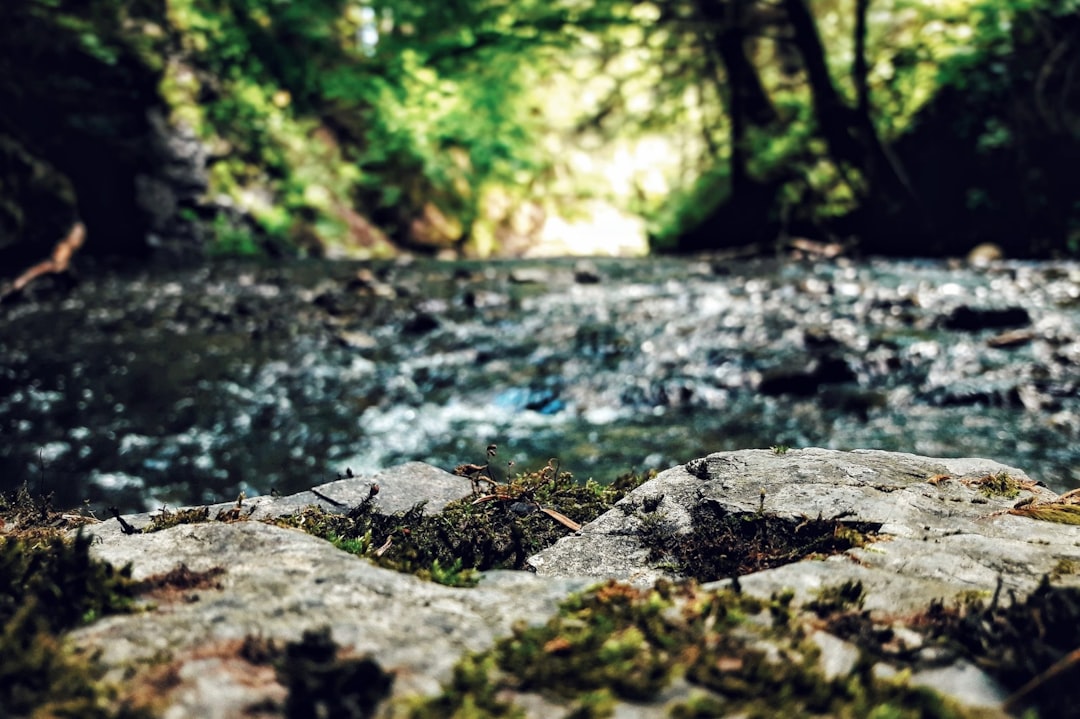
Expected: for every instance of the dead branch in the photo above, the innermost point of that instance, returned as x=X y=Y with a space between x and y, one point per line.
x=59 y=262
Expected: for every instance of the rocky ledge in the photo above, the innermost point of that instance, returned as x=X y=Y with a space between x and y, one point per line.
x=750 y=583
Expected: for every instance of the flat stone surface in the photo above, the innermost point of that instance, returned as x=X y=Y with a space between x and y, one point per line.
x=400 y=488
x=279 y=582
x=939 y=539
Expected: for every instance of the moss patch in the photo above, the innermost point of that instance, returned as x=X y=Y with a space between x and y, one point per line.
x=616 y=642
x=721 y=545
x=1059 y=512
x=166 y=517
x=49 y=584
x=24 y=515
x=498 y=526
x=169 y=518
x=1001 y=484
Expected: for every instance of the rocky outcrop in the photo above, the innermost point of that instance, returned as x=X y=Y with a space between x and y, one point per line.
x=916 y=530
x=942 y=527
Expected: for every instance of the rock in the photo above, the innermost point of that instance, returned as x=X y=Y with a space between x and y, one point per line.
x=399 y=488
x=530 y=276
x=586 y=273
x=985 y=254
x=972 y=319
x=279 y=583
x=939 y=535
x=939 y=531
x=1011 y=338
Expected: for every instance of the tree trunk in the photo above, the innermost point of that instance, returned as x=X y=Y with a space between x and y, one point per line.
x=849 y=132
x=748 y=101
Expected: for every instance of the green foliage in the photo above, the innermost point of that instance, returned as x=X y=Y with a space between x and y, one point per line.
x=616 y=638
x=334 y=124
x=454 y=575
x=59 y=577
x=316 y=121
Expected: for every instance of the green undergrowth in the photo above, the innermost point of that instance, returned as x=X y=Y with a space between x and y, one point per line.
x=722 y=545
x=498 y=526
x=614 y=643
x=49 y=584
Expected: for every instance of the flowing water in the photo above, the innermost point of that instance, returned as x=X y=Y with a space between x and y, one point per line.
x=189 y=386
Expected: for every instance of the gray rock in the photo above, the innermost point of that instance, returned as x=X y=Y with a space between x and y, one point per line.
x=938 y=539
x=280 y=582
x=399 y=488
x=838 y=658
x=965 y=682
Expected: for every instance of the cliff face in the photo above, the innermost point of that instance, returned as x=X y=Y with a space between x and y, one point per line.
x=853 y=606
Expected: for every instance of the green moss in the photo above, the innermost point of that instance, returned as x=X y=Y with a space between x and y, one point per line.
x=616 y=643
x=167 y=518
x=1064 y=568
x=60 y=578
x=498 y=526
x=1050 y=512
x=699 y=706
x=614 y=638
x=1001 y=484
x=472 y=693
x=49 y=584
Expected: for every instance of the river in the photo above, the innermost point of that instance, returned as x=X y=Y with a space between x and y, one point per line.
x=160 y=386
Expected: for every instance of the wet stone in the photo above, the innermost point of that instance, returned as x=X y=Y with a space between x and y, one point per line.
x=974 y=318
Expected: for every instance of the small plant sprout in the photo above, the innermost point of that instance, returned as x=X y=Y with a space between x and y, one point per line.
x=520 y=490
x=779 y=448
